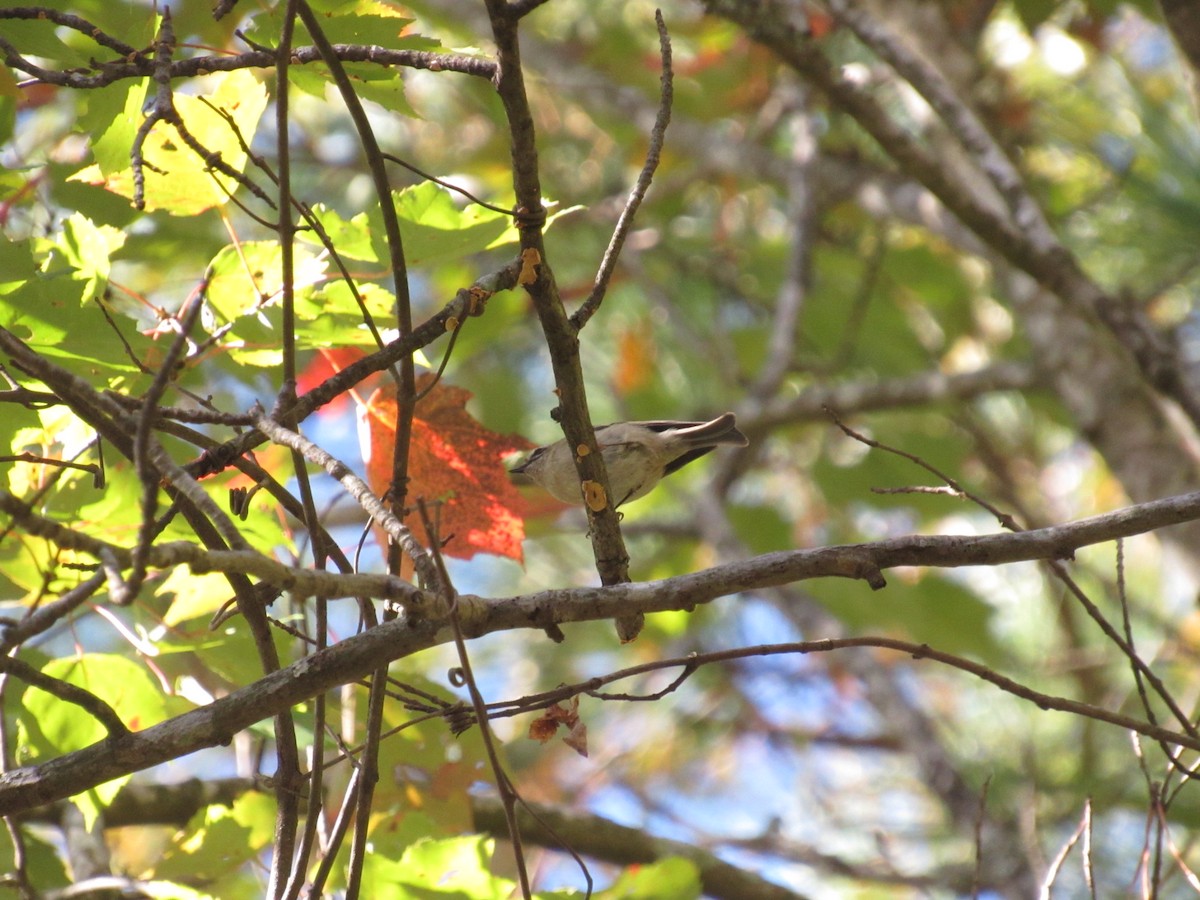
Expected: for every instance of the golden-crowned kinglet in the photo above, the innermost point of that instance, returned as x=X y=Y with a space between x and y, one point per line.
x=636 y=454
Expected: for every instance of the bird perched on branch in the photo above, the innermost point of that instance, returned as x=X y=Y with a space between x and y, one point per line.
x=637 y=456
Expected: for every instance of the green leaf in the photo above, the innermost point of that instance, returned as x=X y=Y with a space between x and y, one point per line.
x=245 y=276
x=130 y=22
x=454 y=869
x=368 y=22
x=17 y=264
x=88 y=248
x=435 y=230
x=43 y=866
x=47 y=316
x=113 y=115
x=218 y=840
x=428 y=769
x=184 y=185
x=63 y=727
x=673 y=878
x=51 y=727
x=351 y=237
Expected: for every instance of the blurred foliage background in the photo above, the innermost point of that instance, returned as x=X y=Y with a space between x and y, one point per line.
x=784 y=261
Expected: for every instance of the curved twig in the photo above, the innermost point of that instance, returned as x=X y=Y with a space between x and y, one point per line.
x=658 y=133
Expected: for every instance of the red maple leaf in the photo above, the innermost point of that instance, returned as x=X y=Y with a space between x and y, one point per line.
x=455 y=465
x=327 y=362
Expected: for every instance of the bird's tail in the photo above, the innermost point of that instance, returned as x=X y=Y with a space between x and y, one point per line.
x=721 y=430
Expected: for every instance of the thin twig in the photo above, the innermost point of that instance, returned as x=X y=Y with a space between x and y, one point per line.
x=146 y=472
x=625 y=222
x=450 y=186
x=45 y=617
x=1056 y=568
x=354 y=657
x=1061 y=857
x=562 y=338
x=74 y=22
x=90 y=468
x=961 y=121
x=977 y=877
x=246 y=562
x=406 y=393
x=802 y=211
x=340 y=826
x=288 y=777
x=467 y=302
x=67 y=692
x=357 y=488
x=508 y=793
x=260 y=58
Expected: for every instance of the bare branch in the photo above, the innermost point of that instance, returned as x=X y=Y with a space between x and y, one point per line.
x=354 y=657
x=397 y=531
x=625 y=223
x=67 y=692
x=1038 y=253
x=562 y=338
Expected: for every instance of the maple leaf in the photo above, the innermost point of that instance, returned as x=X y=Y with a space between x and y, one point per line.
x=327 y=362
x=454 y=464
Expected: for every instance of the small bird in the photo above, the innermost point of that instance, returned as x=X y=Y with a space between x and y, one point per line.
x=637 y=456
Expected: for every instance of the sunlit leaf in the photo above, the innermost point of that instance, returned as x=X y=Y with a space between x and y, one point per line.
x=668 y=879
x=434 y=229
x=246 y=276
x=455 y=465
x=183 y=184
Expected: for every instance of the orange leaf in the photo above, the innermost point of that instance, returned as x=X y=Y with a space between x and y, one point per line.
x=634 y=367
x=455 y=465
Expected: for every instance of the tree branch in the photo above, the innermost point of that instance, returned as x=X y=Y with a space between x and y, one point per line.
x=562 y=337
x=1038 y=252
x=355 y=657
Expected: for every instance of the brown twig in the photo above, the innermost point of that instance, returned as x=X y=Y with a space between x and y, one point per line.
x=397 y=531
x=67 y=692
x=141 y=66
x=406 y=392
x=466 y=303
x=658 y=133
x=1056 y=568
x=146 y=472
x=75 y=23
x=1037 y=252
x=562 y=339
x=163 y=110
x=508 y=793
x=450 y=186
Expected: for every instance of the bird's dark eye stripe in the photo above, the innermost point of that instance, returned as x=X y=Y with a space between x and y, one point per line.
x=535 y=453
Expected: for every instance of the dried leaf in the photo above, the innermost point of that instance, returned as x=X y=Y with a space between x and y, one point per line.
x=547 y=724
x=542 y=729
x=576 y=739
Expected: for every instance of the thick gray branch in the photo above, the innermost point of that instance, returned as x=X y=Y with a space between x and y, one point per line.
x=355 y=657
